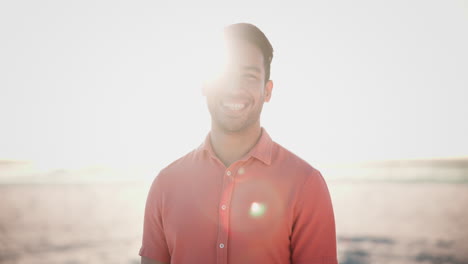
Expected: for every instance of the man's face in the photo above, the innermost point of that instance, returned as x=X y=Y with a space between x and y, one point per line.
x=235 y=97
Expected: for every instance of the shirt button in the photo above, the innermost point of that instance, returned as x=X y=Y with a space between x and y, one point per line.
x=228 y=173
x=221 y=245
x=223 y=207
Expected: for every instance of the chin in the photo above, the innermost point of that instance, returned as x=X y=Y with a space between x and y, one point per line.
x=235 y=127
x=229 y=128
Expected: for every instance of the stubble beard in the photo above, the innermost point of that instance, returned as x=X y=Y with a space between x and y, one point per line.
x=234 y=125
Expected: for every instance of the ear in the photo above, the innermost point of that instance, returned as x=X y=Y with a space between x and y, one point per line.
x=268 y=90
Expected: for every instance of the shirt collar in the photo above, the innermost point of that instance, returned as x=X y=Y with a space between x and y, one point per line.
x=261 y=151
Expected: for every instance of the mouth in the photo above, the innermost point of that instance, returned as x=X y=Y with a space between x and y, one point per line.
x=233 y=107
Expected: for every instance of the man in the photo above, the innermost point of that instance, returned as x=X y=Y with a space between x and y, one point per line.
x=240 y=197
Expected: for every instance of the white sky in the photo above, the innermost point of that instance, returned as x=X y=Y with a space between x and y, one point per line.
x=115 y=83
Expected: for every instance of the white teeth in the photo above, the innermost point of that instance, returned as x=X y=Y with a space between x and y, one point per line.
x=234 y=106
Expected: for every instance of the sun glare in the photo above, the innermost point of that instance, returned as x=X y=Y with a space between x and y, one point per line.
x=257 y=210
x=211 y=57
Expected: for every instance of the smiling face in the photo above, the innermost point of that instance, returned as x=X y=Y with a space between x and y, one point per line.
x=235 y=98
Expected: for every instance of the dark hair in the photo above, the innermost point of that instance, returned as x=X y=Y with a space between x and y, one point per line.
x=252 y=34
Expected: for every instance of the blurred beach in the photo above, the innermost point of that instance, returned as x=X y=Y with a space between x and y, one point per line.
x=386 y=212
x=100 y=95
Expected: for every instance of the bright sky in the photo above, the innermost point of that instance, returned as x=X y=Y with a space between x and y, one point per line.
x=117 y=83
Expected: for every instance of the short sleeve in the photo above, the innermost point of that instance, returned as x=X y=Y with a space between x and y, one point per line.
x=313 y=239
x=154 y=245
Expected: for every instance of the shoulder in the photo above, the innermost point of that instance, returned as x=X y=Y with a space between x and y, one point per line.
x=182 y=162
x=177 y=168
x=284 y=158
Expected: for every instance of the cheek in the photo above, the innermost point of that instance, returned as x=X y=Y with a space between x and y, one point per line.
x=212 y=97
x=214 y=88
x=262 y=94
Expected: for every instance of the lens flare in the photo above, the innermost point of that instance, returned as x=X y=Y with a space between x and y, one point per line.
x=257 y=210
x=213 y=59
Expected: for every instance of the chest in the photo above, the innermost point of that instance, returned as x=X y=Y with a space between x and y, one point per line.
x=230 y=208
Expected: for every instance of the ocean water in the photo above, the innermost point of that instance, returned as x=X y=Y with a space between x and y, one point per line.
x=393 y=214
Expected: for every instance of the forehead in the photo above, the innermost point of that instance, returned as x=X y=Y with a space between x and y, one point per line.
x=241 y=53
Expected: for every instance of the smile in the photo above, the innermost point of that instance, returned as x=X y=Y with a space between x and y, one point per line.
x=234 y=106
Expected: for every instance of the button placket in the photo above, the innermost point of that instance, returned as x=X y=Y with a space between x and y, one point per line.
x=224 y=214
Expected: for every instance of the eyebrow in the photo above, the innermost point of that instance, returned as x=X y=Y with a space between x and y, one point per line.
x=252 y=68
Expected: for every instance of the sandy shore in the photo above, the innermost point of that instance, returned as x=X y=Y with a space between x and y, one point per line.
x=377 y=222
x=401 y=222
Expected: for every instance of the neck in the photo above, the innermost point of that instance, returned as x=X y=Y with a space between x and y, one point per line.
x=230 y=147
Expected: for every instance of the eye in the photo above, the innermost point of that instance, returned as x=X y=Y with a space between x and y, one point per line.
x=250 y=77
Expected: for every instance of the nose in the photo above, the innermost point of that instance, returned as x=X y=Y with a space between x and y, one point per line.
x=232 y=82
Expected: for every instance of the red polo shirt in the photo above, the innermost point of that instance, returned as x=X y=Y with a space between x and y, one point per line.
x=270 y=207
